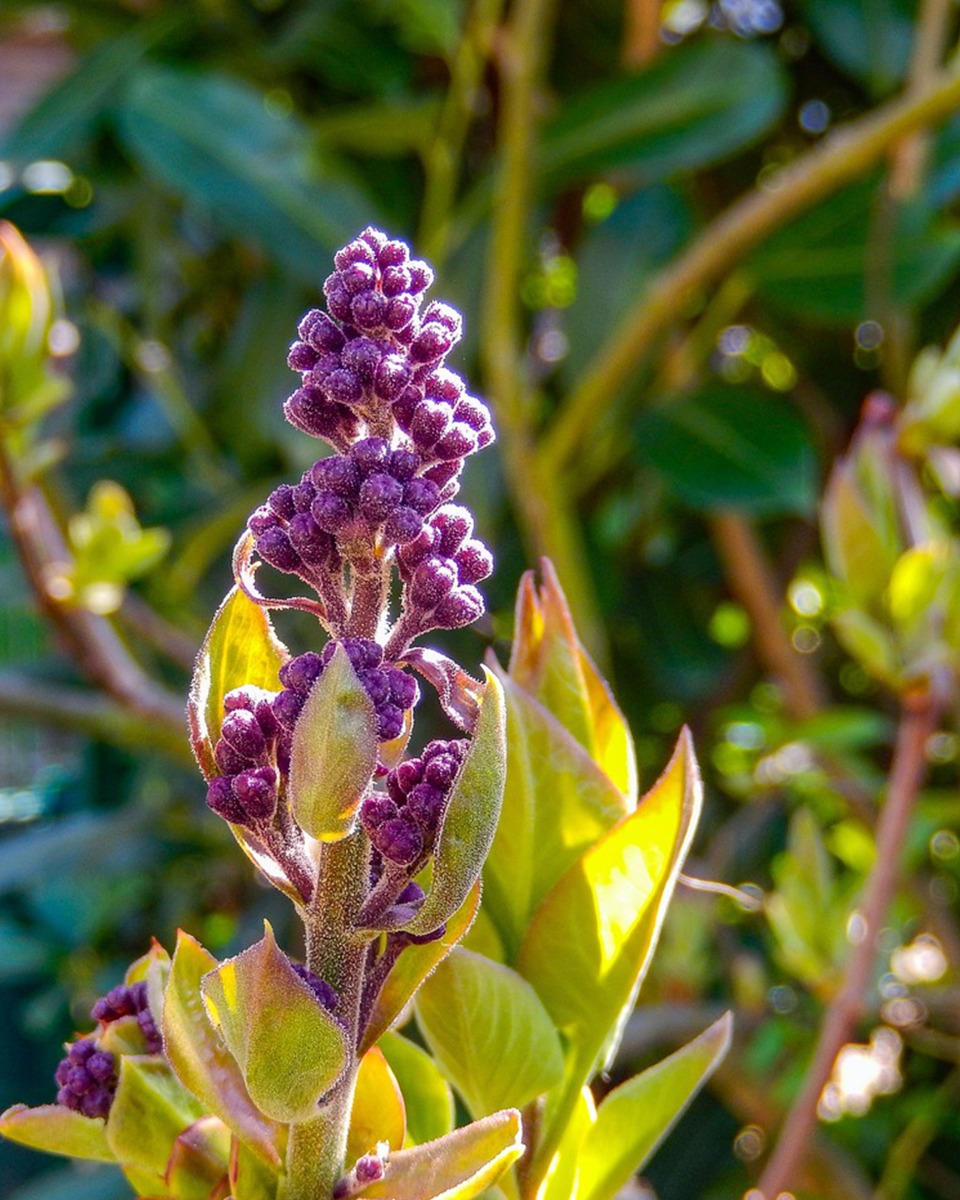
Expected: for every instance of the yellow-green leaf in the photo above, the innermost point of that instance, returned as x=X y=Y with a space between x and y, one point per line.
x=590 y=941
x=57 y=1130
x=563 y=1177
x=456 y=1167
x=149 y=1112
x=199 y=1056
x=378 y=1113
x=471 y=815
x=426 y=1094
x=413 y=966
x=240 y=649
x=334 y=752
x=489 y=1032
x=557 y=802
x=289 y=1048
x=636 y=1116
x=199 y=1160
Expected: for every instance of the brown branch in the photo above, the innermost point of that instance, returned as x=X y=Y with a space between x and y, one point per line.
x=641 y=32
x=918 y=721
x=175 y=645
x=751 y=581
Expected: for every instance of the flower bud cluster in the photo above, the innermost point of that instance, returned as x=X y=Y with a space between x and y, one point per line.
x=87 y=1077
x=251 y=751
x=374 y=385
x=403 y=824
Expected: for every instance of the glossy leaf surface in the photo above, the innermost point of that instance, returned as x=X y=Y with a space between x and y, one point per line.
x=378 y=1113
x=149 y=1112
x=427 y=1096
x=489 y=1032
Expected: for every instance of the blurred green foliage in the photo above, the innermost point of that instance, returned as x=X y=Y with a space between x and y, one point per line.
x=186 y=178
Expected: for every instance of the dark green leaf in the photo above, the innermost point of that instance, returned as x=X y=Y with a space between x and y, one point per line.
x=869 y=39
x=727 y=447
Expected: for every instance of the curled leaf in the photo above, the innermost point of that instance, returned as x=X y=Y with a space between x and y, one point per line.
x=57 y=1130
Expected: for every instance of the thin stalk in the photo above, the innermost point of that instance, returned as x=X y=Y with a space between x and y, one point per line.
x=918 y=721
x=317 y=1148
x=841 y=158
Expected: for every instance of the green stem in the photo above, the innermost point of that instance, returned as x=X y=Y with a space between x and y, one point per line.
x=316 y=1152
x=845 y=156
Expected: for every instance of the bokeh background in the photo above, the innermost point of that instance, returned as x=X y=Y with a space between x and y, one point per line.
x=187 y=169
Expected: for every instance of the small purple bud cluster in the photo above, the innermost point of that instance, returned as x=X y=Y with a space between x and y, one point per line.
x=87 y=1079
x=403 y=824
x=324 y=993
x=391 y=689
x=251 y=741
x=123 y=1001
x=376 y=388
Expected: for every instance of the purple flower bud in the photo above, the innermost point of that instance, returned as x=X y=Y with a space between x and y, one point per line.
x=441 y=771
x=472 y=412
x=403 y=464
x=369 y=1169
x=370 y=454
x=344 y=387
x=430 y=422
x=375 y=810
x=416 y=551
x=402 y=525
x=379 y=495
x=462 y=606
x=286 y=707
x=399 y=313
x=408 y=774
x=96 y=1103
x=257 y=792
x=404 y=689
x=422 y=495
x=432 y=581
x=338 y=298
x=239 y=698
x=425 y=804
x=376 y=684
x=364 y=653
x=441 y=475
x=353 y=252
x=262 y=519
x=358 y=277
x=389 y=722
x=100 y=1066
x=399 y=840
x=314 y=545
x=459 y=441
x=317 y=329
x=151 y=1034
x=391 y=377
x=281 y=501
x=368 y=310
x=337 y=474
x=242 y=730
x=331 y=512
x=302 y=357
x=431 y=343
x=392 y=254
x=229 y=760
x=421 y=276
x=222 y=800
x=406 y=405
x=374 y=238
x=275 y=548
x=474 y=562
x=362 y=354
x=444 y=385
x=322 y=990
x=302 y=672
x=79 y=1081
x=454 y=524
x=303 y=495
x=394 y=280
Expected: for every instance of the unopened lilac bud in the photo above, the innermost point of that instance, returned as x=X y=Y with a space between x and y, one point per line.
x=358 y=277
x=352 y=252
x=474 y=562
x=274 y=547
x=399 y=840
x=368 y=310
x=364 y=653
x=375 y=810
x=402 y=525
x=302 y=672
x=432 y=581
x=462 y=606
x=262 y=519
x=393 y=253
x=331 y=513
x=430 y=422
x=344 y=387
x=389 y=722
x=376 y=684
x=391 y=377
x=399 y=313
x=403 y=464
x=222 y=800
x=228 y=759
x=302 y=357
x=281 y=501
x=425 y=804
x=369 y=1169
x=256 y=791
x=431 y=343
x=443 y=476
x=374 y=238
x=242 y=730
x=421 y=275
x=459 y=441
x=370 y=454
x=337 y=474
x=317 y=329
x=422 y=495
x=286 y=707
x=404 y=689
x=100 y=1066
x=362 y=355
x=454 y=524
x=408 y=774
x=440 y=772
x=322 y=990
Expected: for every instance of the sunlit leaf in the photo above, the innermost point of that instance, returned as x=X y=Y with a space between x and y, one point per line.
x=334 y=752
x=562 y=1181
x=470 y=818
x=636 y=1116
x=58 y=1131
x=456 y=1167
x=289 y=1048
x=197 y=1053
x=489 y=1032
x=199 y=1160
x=378 y=1113
x=149 y=1112
x=427 y=1096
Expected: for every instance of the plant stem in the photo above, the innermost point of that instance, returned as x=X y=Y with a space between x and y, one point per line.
x=918 y=721
x=841 y=158
x=317 y=1149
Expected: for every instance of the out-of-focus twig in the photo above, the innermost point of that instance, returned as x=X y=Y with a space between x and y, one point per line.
x=918 y=721
x=147 y=623
x=91 y=639
x=908 y=157
x=641 y=32
x=841 y=158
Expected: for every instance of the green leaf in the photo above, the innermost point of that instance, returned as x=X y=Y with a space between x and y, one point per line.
x=149 y=1112
x=471 y=815
x=726 y=447
x=563 y=1178
x=549 y=662
x=869 y=39
x=827 y=262
x=214 y=140
x=489 y=1032
x=636 y=1116
x=591 y=940
x=412 y=968
x=456 y=1167
x=70 y=111
x=426 y=1094
x=289 y=1048
x=198 y=1055
x=334 y=752
x=199 y=1160
x=696 y=105
x=557 y=802
x=57 y=1131
x=378 y=1113
x=240 y=649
